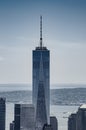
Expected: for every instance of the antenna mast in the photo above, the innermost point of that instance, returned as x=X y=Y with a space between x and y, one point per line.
x=40 y=31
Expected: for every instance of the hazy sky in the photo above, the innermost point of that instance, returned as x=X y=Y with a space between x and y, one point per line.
x=64 y=33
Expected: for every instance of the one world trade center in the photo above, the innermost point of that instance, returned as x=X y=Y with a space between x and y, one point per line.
x=41 y=83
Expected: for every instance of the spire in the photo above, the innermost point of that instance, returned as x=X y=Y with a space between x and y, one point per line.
x=41 y=46
x=41 y=31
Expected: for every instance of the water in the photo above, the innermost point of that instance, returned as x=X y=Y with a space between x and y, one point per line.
x=63 y=101
x=62 y=113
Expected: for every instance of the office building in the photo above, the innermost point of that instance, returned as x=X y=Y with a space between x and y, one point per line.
x=17 y=116
x=24 y=117
x=2 y=113
x=78 y=121
x=27 y=118
x=54 y=122
x=72 y=122
x=81 y=118
x=12 y=125
x=41 y=83
x=47 y=127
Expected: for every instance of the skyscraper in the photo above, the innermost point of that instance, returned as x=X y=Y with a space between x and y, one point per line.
x=2 y=113
x=12 y=125
x=17 y=117
x=72 y=121
x=41 y=83
x=54 y=122
x=27 y=118
x=81 y=118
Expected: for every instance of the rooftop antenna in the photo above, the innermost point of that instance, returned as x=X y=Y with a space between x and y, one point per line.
x=40 y=31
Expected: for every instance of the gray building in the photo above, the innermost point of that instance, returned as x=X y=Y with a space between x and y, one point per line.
x=81 y=118
x=2 y=113
x=54 y=123
x=78 y=121
x=72 y=122
x=24 y=117
x=41 y=83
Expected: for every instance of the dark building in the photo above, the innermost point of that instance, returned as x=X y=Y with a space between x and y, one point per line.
x=41 y=83
x=47 y=127
x=72 y=122
x=2 y=113
x=17 y=117
x=81 y=118
x=54 y=123
x=12 y=125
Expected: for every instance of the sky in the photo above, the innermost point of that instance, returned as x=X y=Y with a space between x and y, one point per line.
x=64 y=34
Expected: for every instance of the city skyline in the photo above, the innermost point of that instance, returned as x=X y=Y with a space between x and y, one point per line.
x=64 y=33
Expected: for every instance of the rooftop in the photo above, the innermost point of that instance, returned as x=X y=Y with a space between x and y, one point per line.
x=83 y=106
x=41 y=48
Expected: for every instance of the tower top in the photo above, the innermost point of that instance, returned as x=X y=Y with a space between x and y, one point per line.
x=41 y=47
x=41 y=31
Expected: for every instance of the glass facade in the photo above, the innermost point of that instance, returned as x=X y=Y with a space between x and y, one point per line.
x=17 y=117
x=41 y=85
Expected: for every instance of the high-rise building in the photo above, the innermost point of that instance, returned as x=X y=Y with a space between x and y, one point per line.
x=24 y=118
x=17 y=117
x=81 y=118
x=47 y=127
x=72 y=122
x=78 y=121
x=54 y=122
x=2 y=113
x=41 y=83
x=27 y=118
x=12 y=125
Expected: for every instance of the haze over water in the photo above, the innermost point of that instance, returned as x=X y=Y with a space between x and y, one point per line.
x=64 y=101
